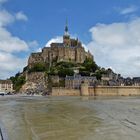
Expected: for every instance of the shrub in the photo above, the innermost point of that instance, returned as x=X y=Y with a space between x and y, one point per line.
x=65 y=71
x=18 y=81
x=38 y=67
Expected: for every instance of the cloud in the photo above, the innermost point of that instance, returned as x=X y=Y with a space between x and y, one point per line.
x=33 y=44
x=21 y=16
x=38 y=50
x=9 y=43
x=57 y=39
x=128 y=10
x=5 y=18
x=117 y=45
x=2 y=1
x=10 y=64
x=11 y=46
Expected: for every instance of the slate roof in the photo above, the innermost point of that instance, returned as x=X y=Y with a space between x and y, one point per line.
x=79 y=77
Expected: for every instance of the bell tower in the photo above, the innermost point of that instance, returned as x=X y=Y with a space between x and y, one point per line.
x=66 y=36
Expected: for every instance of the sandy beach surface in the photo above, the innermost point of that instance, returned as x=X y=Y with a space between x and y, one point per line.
x=70 y=118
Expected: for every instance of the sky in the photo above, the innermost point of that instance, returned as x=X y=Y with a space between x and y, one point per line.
x=110 y=30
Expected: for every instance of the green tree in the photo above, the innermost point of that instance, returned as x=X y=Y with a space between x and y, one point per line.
x=98 y=75
x=65 y=64
x=38 y=67
x=65 y=71
x=18 y=81
x=90 y=65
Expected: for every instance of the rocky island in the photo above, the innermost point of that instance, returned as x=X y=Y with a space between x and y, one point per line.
x=66 y=65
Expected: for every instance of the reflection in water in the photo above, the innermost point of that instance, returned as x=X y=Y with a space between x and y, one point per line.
x=52 y=118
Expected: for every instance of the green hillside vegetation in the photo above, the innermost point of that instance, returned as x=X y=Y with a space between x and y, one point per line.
x=18 y=80
x=38 y=67
x=88 y=68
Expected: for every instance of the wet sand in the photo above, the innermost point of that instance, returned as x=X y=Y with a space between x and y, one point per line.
x=71 y=118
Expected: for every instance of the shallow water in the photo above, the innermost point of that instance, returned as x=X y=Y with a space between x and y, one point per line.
x=71 y=118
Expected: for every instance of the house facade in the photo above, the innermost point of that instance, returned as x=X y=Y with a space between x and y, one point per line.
x=76 y=81
x=6 y=86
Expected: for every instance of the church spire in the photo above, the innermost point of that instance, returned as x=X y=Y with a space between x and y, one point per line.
x=66 y=36
x=66 y=28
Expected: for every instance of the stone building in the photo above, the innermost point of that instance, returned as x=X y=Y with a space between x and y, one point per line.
x=136 y=81
x=76 y=81
x=6 y=86
x=70 y=50
x=110 y=78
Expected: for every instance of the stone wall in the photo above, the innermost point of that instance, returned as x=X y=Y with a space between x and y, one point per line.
x=65 y=92
x=114 y=91
x=36 y=77
x=98 y=91
x=35 y=58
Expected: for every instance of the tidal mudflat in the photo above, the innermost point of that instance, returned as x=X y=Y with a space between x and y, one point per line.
x=71 y=118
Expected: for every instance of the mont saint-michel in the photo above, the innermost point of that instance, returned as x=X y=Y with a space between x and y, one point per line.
x=66 y=68
x=52 y=66
x=69 y=70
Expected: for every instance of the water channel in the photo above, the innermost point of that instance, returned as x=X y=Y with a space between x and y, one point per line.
x=71 y=118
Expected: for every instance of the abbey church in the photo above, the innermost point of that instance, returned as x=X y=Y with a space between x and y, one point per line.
x=70 y=50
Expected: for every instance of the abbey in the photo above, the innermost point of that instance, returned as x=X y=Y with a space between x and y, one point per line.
x=70 y=50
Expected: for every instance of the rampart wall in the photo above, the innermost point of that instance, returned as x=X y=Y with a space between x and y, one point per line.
x=114 y=91
x=98 y=91
x=65 y=92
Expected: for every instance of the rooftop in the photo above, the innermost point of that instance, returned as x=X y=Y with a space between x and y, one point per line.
x=5 y=82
